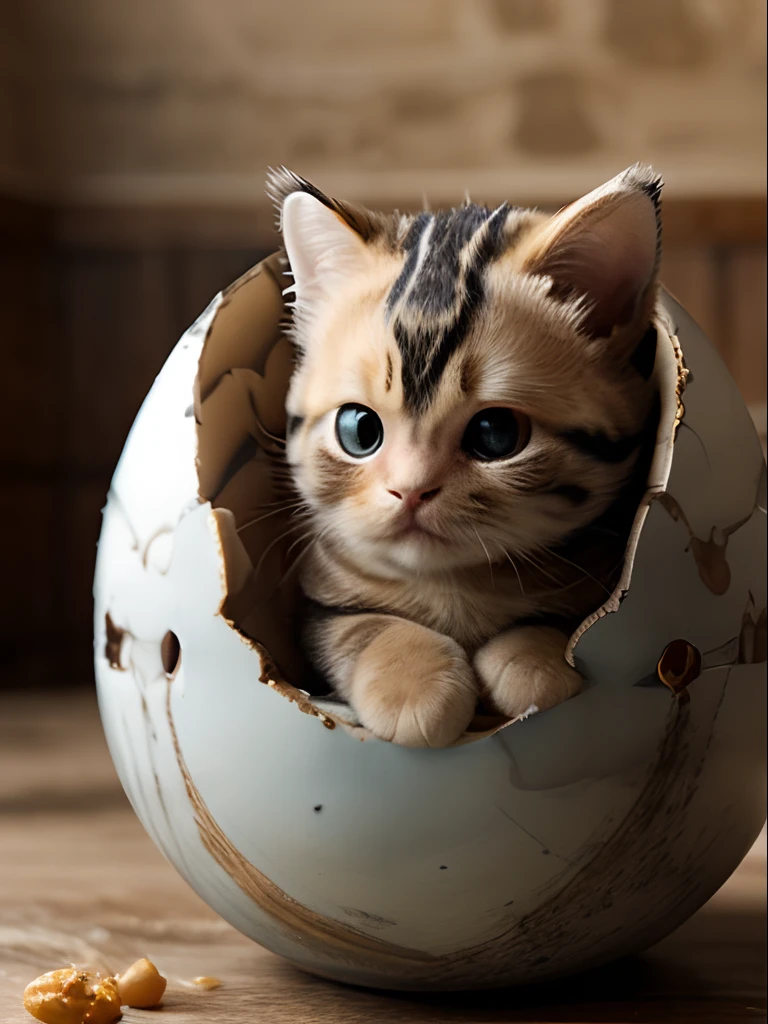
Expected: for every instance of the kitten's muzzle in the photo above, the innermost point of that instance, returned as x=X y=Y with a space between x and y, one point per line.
x=409 y=524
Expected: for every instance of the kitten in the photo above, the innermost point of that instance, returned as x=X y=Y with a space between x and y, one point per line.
x=471 y=397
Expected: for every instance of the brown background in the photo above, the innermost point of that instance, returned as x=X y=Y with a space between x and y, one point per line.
x=134 y=140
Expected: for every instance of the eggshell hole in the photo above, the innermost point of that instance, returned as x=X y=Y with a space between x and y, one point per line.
x=243 y=376
x=170 y=653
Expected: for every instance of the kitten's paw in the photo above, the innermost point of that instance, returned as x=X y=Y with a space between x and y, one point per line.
x=524 y=671
x=414 y=687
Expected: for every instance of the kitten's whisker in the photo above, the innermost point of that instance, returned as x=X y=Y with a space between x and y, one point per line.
x=602 y=529
x=298 y=558
x=299 y=540
x=274 y=512
x=301 y=555
x=268 y=433
x=274 y=504
x=581 y=569
x=542 y=570
x=271 y=545
x=511 y=562
x=487 y=555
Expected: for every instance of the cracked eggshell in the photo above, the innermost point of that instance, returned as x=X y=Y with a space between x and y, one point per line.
x=525 y=852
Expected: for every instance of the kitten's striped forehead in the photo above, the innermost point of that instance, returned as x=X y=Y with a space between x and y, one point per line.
x=433 y=301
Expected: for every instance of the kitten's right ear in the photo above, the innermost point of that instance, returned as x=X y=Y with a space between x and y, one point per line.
x=320 y=236
x=605 y=248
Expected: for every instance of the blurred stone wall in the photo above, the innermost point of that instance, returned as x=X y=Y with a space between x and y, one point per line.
x=533 y=99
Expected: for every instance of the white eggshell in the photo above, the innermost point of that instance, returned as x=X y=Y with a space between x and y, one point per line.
x=549 y=846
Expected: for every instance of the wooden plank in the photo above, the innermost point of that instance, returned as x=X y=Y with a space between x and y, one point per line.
x=25 y=224
x=31 y=535
x=30 y=408
x=120 y=325
x=202 y=273
x=715 y=221
x=169 y=227
x=690 y=274
x=687 y=222
x=77 y=557
x=81 y=882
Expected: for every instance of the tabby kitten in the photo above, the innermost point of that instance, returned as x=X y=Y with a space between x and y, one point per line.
x=471 y=396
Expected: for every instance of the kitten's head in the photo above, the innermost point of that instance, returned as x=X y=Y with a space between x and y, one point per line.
x=473 y=382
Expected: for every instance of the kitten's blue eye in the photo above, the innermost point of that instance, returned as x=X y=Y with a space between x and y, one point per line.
x=495 y=434
x=359 y=430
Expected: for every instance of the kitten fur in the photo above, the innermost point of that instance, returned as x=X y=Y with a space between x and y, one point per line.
x=435 y=578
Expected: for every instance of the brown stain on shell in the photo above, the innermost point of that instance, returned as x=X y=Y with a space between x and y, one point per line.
x=753 y=638
x=161 y=531
x=322 y=935
x=708 y=553
x=114 y=644
x=624 y=868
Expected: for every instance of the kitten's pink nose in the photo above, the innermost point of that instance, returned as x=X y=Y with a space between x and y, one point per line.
x=413 y=499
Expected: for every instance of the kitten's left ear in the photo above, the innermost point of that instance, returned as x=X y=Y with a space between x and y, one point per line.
x=323 y=238
x=606 y=247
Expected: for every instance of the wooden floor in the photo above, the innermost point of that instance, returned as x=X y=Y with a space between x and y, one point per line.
x=81 y=882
